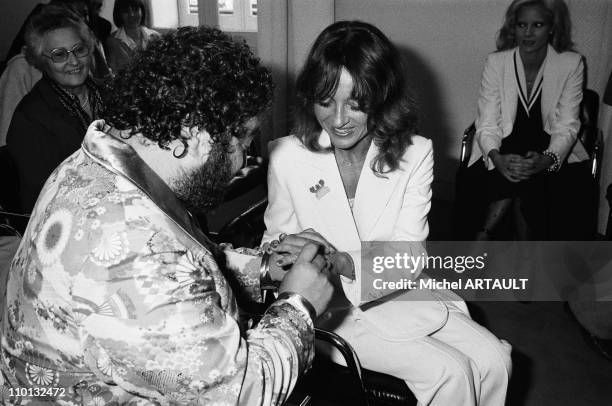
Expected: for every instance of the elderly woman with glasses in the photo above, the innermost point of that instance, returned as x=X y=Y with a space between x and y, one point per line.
x=50 y=121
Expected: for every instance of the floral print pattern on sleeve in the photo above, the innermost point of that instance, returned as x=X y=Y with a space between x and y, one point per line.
x=113 y=301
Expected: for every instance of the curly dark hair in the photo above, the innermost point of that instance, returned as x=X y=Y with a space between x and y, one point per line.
x=194 y=77
x=558 y=17
x=379 y=88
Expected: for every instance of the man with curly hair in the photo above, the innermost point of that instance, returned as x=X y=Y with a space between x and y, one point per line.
x=115 y=295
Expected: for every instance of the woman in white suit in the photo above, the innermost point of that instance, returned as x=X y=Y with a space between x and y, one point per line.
x=528 y=115
x=354 y=171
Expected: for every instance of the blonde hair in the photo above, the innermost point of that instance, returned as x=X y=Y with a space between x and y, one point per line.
x=558 y=17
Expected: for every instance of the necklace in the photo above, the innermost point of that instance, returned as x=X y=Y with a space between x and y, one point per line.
x=85 y=100
x=346 y=162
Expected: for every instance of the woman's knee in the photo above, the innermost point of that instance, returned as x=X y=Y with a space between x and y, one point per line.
x=449 y=367
x=496 y=364
x=491 y=355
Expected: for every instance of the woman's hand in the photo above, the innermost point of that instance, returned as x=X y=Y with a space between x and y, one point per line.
x=535 y=163
x=286 y=251
x=341 y=263
x=289 y=246
x=338 y=263
x=511 y=166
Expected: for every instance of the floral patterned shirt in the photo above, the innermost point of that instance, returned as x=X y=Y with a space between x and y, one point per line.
x=115 y=297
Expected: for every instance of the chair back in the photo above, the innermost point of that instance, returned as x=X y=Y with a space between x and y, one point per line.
x=245 y=230
x=590 y=134
x=589 y=114
x=239 y=219
x=466 y=145
x=252 y=175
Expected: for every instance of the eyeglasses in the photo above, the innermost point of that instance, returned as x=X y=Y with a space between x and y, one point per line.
x=59 y=55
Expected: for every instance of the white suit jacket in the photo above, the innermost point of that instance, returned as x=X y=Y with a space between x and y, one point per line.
x=563 y=75
x=393 y=208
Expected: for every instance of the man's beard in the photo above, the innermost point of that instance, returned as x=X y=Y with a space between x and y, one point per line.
x=204 y=188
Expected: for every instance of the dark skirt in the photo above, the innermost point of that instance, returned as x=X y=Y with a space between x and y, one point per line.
x=527 y=135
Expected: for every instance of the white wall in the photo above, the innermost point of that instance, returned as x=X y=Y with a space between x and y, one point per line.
x=107 y=11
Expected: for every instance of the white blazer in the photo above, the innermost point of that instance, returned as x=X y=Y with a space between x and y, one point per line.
x=563 y=75
x=393 y=208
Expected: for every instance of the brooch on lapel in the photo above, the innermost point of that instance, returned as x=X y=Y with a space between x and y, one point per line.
x=319 y=189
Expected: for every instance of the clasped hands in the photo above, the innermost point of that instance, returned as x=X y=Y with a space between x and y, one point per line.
x=286 y=250
x=517 y=168
x=304 y=262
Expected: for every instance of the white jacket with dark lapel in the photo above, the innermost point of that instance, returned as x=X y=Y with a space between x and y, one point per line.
x=563 y=75
x=305 y=191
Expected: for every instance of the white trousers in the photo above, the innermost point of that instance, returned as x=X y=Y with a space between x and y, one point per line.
x=459 y=364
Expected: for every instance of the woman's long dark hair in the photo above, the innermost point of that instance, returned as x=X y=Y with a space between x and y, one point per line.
x=379 y=87
x=124 y=5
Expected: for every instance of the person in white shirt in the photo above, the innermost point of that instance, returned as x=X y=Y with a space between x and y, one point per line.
x=132 y=34
x=527 y=124
x=354 y=171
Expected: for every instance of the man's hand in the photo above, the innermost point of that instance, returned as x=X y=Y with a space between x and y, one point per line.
x=309 y=277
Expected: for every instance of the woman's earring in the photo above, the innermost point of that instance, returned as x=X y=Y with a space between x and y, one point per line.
x=183 y=152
